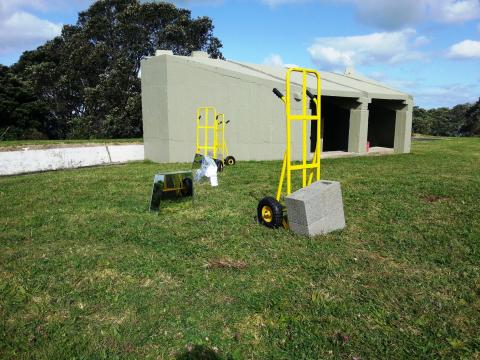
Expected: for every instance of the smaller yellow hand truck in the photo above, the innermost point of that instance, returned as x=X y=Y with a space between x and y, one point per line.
x=270 y=211
x=213 y=127
x=222 y=145
x=210 y=130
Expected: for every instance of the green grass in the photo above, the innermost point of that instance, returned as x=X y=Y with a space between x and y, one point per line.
x=23 y=143
x=87 y=272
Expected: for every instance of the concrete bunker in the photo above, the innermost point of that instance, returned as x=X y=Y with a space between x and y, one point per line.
x=174 y=86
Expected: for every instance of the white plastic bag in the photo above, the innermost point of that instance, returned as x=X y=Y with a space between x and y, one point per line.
x=207 y=169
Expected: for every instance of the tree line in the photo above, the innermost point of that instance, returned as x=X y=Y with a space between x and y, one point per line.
x=84 y=83
x=461 y=120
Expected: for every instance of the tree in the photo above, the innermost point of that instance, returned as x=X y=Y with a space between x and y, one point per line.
x=422 y=121
x=458 y=116
x=22 y=114
x=88 y=76
x=457 y=121
x=472 y=123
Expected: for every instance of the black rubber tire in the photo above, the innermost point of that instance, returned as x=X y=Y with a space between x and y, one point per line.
x=187 y=187
x=220 y=165
x=276 y=219
x=230 y=160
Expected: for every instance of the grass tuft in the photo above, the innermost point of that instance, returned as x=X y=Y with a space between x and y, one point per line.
x=226 y=264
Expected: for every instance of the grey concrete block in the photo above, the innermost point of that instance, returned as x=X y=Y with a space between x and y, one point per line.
x=316 y=209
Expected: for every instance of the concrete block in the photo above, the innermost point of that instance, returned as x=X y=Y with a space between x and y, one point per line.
x=316 y=209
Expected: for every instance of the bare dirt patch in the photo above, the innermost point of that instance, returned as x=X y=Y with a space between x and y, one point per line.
x=434 y=198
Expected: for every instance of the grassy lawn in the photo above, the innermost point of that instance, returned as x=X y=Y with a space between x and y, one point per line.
x=87 y=272
x=12 y=144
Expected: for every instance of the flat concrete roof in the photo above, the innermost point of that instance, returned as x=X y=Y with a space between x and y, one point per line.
x=333 y=84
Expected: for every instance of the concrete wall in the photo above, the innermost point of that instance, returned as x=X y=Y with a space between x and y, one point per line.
x=27 y=161
x=403 y=128
x=173 y=89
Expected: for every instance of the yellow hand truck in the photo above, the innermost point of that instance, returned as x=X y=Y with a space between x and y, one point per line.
x=222 y=145
x=209 y=128
x=270 y=211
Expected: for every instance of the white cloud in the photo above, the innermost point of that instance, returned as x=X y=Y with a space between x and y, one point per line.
x=275 y=3
x=277 y=61
x=24 y=30
x=186 y=2
x=388 y=14
x=396 y=14
x=420 y=41
x=273 y=60
x=466 y=49
x=447 y=95
x=385 y=47
x=453 y=11
x=431 y=95
x=20 y=30
x=11 y=6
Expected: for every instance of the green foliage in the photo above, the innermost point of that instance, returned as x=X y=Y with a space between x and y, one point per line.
x=87 y=272
x=21 y=114
x=458 y=121
x=88 y=77
x=472 y=123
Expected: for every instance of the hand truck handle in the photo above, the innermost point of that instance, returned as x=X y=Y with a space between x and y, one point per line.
x=278 y=93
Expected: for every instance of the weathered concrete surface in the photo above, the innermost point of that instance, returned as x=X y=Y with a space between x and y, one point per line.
x=316 y=209
x=26 y=161
x=125 y=153
x=174 y=86
x=403 y=128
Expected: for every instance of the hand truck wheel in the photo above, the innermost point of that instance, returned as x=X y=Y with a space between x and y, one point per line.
x=230 y=160
x=220 y=165
x=270 y=212
x=187 y=189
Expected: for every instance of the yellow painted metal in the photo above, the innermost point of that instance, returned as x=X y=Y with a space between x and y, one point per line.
x=210 y=124
x=310 y=170
x=220 y=134
x=267 y=214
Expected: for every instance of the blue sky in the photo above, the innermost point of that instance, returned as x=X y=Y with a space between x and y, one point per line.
x=429 y=48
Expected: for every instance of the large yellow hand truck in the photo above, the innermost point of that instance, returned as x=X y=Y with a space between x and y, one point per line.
x=222 y=145
x=208 y=127
x=270 y=211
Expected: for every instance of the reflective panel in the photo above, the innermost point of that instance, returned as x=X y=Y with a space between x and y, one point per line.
x=171 y=185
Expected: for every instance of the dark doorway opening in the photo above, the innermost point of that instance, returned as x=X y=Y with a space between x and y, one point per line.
x=381 y=124
x=335 y=126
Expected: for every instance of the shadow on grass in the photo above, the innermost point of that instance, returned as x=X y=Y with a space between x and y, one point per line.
x=199 y=352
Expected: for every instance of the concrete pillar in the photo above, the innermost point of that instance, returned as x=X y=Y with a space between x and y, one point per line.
x=358 y=132
x=403 y=128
